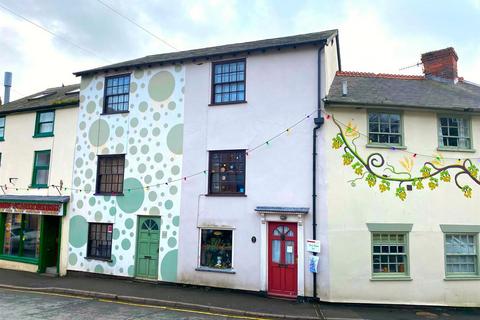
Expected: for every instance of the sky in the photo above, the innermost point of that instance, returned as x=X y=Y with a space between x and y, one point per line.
x=375 y=36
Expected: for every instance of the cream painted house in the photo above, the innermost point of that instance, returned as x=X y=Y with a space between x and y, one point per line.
x=402 y=222
x=37 y=140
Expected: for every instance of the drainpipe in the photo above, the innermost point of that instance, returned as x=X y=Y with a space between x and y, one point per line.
x=318 y=121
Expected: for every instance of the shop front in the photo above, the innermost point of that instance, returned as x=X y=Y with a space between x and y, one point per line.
x=30 y=232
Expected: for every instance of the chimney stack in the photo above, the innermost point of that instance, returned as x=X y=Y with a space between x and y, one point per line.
x=441 y=64
x=7 y=82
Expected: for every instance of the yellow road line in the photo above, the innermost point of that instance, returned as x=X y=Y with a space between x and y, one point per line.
x=137 y=304
x=181 y=310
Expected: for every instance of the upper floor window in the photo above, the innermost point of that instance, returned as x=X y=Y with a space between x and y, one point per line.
x=228 y=82
x=385 y=128
x=44 y=124
x=227 y=172
x=2 y=128
x=454 y=132
x=41 y=169
x=116 y=94
x=110 y=171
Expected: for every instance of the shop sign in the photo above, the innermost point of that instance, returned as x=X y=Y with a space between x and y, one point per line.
x=313 y=246
x=31 y=208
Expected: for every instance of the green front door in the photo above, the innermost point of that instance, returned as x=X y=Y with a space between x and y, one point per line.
x=148 y=238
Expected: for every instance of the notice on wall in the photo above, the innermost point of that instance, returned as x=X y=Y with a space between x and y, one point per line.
x=289 y=249
x=313 y=263
x=313 y=246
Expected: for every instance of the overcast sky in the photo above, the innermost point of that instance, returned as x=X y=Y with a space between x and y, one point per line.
x=377 y=36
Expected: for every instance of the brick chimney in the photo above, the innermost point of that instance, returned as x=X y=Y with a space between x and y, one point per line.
x=441 y=64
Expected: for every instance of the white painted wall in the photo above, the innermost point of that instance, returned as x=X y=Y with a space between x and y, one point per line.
x=18 y=156
x=349 y=209
x=281 y=88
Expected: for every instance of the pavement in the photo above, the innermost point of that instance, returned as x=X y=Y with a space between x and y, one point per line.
x=220 y=302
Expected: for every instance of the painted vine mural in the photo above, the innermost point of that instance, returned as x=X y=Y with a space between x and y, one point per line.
x=376 y=171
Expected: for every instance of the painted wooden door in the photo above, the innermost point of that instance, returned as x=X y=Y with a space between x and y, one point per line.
x=148 y=238
x=282 y=259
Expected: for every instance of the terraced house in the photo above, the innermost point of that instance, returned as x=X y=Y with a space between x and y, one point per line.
x=407 y=232
x=37 y=138
x=196 y=166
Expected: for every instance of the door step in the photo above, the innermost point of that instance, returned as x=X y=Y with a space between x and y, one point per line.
x=50 y=272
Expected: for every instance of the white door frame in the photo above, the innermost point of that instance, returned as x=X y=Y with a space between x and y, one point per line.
x=288 y=218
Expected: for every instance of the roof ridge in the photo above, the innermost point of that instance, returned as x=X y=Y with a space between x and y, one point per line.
x=379 y=75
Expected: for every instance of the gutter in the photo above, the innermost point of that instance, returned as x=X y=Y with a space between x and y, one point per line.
x=318 y=121
x=373 y=105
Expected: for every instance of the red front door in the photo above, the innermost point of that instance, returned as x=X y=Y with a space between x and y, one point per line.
x=282 y=259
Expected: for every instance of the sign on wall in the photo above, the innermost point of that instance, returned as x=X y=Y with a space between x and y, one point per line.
x=313 y=246
x=31 y=208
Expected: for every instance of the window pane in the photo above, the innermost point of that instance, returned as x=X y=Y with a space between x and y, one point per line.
x=216 y=249
x=42 y=177
x=46 y=127
x=117 y=94
x=110 y=174
x=31 y=236
x=46 y=116
x=2 y=122
x=43 y=159
x=13 y=225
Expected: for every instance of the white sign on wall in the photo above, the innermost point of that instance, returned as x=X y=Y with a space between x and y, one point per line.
x=313 y=246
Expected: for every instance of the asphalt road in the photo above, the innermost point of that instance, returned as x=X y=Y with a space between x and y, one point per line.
x=29 y=306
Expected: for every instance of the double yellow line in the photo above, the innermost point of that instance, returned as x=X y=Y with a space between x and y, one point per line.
x=137 y=304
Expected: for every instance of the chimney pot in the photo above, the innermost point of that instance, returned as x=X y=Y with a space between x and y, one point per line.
x=441 y=64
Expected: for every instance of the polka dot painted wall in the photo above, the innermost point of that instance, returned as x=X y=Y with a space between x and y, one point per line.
x=151 y=137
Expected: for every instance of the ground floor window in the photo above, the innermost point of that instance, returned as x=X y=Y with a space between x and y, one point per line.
x=21 y=235
x=461 y=254
x=390 y=254
x=216 y=248
x=100 y=241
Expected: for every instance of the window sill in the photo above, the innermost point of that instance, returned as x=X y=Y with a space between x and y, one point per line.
x=385 y=146
x=225 y=195
x=456 y=150
x=207 y=269
x=390 y=278
x=108 y=194
x=98 y=259
x=19 y=259
x=113 y=113
x=227 y=103
x=462 y=278
x=43 y=135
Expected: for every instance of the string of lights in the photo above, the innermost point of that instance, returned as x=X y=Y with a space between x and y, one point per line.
x=186 y=177
x=248 y=152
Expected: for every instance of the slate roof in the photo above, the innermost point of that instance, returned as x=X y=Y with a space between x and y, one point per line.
x=49 y=98
x=210 y=52
x=42 y=199
x=295 y=210
x=405 y=91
